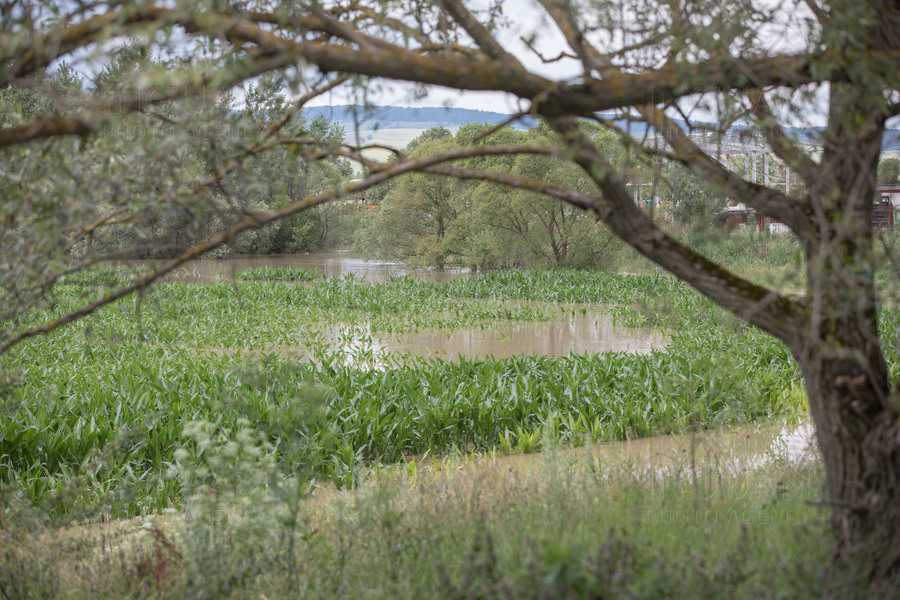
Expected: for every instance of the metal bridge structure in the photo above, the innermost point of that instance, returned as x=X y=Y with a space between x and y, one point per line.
x=748 y=155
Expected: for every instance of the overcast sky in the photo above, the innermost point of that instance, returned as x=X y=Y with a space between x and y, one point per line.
x=526 y=17
x=786 y=34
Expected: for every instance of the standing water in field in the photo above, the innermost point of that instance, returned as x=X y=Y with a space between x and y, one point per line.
x=578 y=333
x=569 y=333
x=326 y=263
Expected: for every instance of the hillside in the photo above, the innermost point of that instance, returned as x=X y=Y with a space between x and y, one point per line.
x=400 y=117
x=375 y=121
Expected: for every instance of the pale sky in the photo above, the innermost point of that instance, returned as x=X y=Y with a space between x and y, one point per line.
x=528 y=17
x=786 y=34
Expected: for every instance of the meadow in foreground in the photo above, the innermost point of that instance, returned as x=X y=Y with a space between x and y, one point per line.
x=567 y=524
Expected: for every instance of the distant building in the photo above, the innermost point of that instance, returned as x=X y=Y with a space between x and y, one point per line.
x=358 y=198
x=887 y=201
x=891 y=193
x=738 y=216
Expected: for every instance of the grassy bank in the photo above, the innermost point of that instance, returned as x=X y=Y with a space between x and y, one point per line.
x=568 y=525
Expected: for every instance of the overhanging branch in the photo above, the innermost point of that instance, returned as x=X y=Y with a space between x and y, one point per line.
x=795 y=213
x=765 y=308
x=257 y=220
x=783 y=146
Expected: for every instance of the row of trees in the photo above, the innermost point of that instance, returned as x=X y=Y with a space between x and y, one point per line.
x=434 y=220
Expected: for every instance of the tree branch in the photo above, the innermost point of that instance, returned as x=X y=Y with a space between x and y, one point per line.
x=616 y=89
x=765 y=308
x=570 y=196
x=783 y=147
x=478 y=32
x=794 y=213
x=591 y=58
x=47 y=127
x=32 y=55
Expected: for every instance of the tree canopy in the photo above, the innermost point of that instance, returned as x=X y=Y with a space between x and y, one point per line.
x=75 y=163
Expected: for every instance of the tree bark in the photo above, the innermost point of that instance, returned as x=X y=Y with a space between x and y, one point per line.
x=861 y=454
x=840 y=355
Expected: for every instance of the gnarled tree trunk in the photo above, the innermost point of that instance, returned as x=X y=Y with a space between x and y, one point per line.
x=840 y=354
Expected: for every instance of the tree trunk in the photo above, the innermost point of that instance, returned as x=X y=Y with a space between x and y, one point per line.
x=860 y=445
x=840 y=353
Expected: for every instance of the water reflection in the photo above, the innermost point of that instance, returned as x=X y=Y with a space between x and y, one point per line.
x=659 y=457
x=694 y=464
x=327 y=263
x=572 y=333
x=359 y=344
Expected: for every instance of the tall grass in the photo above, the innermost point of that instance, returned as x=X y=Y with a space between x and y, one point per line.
x=572 y=526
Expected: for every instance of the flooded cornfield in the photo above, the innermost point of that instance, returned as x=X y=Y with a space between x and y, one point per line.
x=561 y=335
x=329 y=264
x=371 y=365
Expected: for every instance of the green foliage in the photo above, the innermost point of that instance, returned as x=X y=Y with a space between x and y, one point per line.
x=442 y=530
x=152 y=184
x=189 y=353
x=277 y=274
x=434 y=134
x=429 y=220
x=692 y=200
x=888 y=170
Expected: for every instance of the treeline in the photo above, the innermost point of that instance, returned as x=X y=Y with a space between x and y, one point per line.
x=438 y=221
x=159 y=181
x=430 y=220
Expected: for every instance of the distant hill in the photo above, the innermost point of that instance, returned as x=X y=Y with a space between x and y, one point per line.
x=400 y=117
x=414 y=118
x=889 y=142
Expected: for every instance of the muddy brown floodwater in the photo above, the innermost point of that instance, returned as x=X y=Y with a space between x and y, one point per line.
x=702 y=455
x=470 y=483
x=591 y=332
x=568 y=333
x=326 y=263
x=361 y=346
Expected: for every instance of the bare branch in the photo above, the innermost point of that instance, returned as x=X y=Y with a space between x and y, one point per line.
x=561 y=13
x=561 y=56
x=112 y=219
x=478 y=32
x=573 y=197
